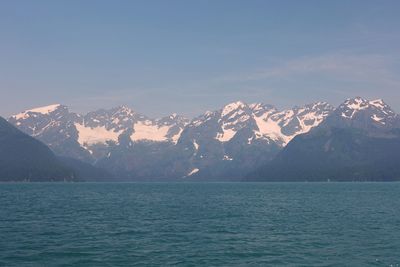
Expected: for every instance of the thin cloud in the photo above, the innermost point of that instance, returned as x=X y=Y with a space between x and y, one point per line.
x=375 y=69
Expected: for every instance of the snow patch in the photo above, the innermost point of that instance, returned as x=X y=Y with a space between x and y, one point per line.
x=175 y=137
x=249 y=140
x=196 y=145
x=42 y=110
x=378 y=103
x=315 y=118
x=98 y=135
x=377 y=119
x=226 y=157
x=146 y=130
x=353 y=106
x=195 y=170
x=231 y=107
x=270 y=128
x=226 y=135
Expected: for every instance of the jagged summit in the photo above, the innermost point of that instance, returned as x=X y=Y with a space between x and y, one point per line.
x=359 y=141
x=57 y=127
x=229 y=108
x=39 y=110
x=363 y=113
x=261 y=121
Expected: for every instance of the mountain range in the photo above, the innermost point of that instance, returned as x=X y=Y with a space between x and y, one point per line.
x=256 y=141
x=359 y=141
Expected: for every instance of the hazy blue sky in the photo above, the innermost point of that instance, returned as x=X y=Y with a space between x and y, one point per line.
x=191 y=56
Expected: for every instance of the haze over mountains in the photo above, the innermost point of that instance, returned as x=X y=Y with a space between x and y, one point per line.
x=24 y=158
x=240 y=140
x=359 y=141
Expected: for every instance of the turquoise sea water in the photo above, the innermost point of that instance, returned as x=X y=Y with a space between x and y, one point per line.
x=200 y=224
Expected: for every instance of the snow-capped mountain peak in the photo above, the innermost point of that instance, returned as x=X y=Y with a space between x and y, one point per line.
x=36 y=121
x=124 y=110
x=40 y=110
x=365 y=114
x=56 y=126
x=353 y=105
x=232 y=107
x=260 y=106
x=120 y=120
x=264 y=121
x=283 y=126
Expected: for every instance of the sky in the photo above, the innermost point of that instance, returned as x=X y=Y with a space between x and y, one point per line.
x=161 y=57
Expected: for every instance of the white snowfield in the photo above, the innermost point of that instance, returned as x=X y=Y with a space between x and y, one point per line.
x=269 y=128
x=88 y=136
x=41 y=110
x=232 y=107
x=226 y=135
x=148 y=131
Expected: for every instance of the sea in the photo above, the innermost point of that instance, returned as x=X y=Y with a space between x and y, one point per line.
x=200 y=224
